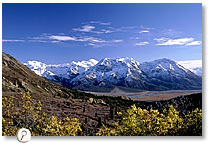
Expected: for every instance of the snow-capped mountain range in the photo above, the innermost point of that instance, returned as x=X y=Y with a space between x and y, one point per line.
x=93 y=75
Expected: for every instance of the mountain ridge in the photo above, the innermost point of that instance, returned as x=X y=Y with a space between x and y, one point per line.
x=160 y=74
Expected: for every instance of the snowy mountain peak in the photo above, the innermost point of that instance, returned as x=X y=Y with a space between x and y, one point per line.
x=82 y=66
x=35 y=64
x=62 y=70
x=106 y=62
x=130 y=62
x=126 y=72
x=163 y=68
x=127 y=60
x=93 y=61
x=84 y=63
x=111 y=71
x=165 y=64
x=38 y=67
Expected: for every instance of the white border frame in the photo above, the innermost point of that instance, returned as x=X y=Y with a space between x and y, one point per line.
x=129 y=140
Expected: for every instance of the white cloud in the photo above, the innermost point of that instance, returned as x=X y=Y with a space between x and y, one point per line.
x=94 y=45
x=117 y=41
x=106 y=31
x=97 y=40
x=85 y=28
x=194 y=43
x=99 y=22
x=167 y=41
x=161 y=39
x=191 y=63
x=129 y=27
x=144 y=31
x=147 y=28
x=90 y=28
x=61 y=38
x=103 y=31
x=6 y=40
x=91 y=39
x=103 y=23
x=194 y=66
x=91 y=44
x=142 y=43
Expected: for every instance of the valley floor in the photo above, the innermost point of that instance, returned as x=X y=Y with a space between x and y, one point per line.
x=148 y=95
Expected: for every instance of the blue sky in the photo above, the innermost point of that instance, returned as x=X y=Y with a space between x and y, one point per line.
x=59 y=33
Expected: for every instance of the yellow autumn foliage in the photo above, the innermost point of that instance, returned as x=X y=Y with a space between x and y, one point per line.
x=30 y=116
x=142 y=122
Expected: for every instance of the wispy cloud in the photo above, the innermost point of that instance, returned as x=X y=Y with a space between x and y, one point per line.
x=117 y=41
x=85 y=28
x=94 y=45
x=144 y=31
x=128 y=27
x=142 y=43
x=180 y=41
x=7 y=40
x=91 y=44
x=61 y=38
x=97 y=40
x=90 y=39
x=92 y=29
x=100 y=23
x=191 y=63
x=146 y=28
x=102 y=31
x=87 y=40
x=170 y=33
x=194 y=43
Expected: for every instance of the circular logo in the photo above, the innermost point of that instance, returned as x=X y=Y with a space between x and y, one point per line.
x=23 y=135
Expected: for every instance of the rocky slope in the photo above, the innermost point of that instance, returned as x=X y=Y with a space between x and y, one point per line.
x=16 y=77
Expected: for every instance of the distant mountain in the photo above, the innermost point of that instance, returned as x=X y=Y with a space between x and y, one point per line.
x=194 y=65
x=108 y=73
x=60 y=73
x=170 y=74
x=161 y=74
x=65 y=70
x=197 y=70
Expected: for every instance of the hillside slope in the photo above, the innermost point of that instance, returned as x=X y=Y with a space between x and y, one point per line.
x=16 y=77
x=91 y=110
